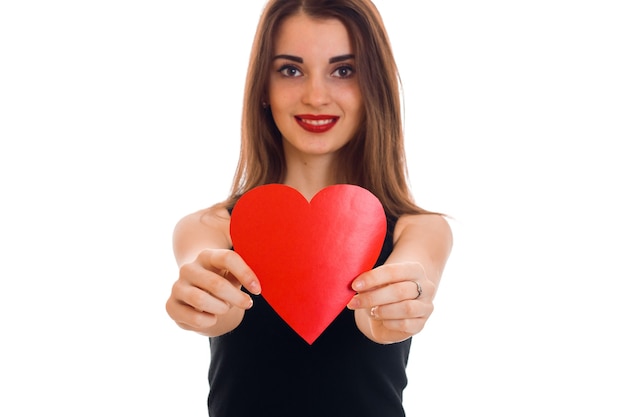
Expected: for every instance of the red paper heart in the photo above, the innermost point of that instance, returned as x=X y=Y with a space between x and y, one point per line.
x=306 y=255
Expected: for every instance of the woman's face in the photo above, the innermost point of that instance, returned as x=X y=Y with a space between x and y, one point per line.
x=313 y=88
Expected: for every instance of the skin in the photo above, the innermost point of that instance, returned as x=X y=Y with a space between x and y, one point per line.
x=324 y=82
x=207 y=296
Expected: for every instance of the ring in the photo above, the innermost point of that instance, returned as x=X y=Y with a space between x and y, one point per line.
x=419 y=289
x=225 y=273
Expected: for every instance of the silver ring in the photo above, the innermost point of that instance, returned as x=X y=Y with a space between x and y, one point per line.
x=419 y=289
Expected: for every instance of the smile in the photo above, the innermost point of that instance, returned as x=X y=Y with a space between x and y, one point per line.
x=316 y=123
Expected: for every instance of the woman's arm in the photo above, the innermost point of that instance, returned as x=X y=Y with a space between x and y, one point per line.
x=389 y=307
x=207 y=297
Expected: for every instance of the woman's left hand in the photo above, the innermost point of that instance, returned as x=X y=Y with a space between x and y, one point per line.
x=393 y=301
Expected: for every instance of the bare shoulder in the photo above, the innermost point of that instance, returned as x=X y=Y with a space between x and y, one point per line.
x=435 y=221
x=204 y=229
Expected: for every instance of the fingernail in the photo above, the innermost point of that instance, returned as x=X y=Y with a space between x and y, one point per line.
x=354 y=303
x=251 y=304
x=358 y=285
x=255 y=288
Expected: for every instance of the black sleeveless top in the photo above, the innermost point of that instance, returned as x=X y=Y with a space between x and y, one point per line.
x=264 y=368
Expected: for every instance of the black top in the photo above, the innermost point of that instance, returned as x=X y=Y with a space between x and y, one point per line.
x=264 y=368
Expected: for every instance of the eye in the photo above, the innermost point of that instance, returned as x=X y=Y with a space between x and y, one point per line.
x=344 y=71
x=289 y=71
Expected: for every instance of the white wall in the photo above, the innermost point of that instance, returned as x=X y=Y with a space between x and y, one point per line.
x=119 y=117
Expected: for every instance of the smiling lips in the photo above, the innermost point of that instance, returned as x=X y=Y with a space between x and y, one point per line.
x=316 y=123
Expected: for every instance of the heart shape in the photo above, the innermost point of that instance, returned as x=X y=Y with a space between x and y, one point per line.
x=306 y=255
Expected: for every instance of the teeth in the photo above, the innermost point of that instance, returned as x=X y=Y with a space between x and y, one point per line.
x=317 y=122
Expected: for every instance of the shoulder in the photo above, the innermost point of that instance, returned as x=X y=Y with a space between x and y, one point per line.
x=211 y=217
x=208 y=228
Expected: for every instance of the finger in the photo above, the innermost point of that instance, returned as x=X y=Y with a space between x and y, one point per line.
x=412 y=309
x=202 y=301
x=388 y=274
x=388 y=294
x=212 y=283
x=235 y=267
x=189 y=318
x=408 y=326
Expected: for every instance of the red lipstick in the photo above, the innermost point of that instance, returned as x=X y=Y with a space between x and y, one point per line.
x=316 y=123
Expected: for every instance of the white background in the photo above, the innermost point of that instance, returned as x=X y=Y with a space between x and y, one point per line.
x=117 y=118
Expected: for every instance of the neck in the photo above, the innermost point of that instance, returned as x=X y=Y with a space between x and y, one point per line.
x=310 y=176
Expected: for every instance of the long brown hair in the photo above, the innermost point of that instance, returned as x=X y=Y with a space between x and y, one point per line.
x=374 y=159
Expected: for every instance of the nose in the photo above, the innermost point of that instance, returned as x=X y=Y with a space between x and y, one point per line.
x=316 y=91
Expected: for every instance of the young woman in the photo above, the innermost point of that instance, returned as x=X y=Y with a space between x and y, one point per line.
x=321 y=107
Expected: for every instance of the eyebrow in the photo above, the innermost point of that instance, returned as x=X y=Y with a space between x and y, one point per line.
x=299 y=60
x=340 y=58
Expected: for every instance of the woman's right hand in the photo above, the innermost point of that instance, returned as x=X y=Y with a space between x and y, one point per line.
x=207 y=296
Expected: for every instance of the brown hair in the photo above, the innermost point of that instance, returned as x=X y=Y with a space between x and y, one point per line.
x=374 y=159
